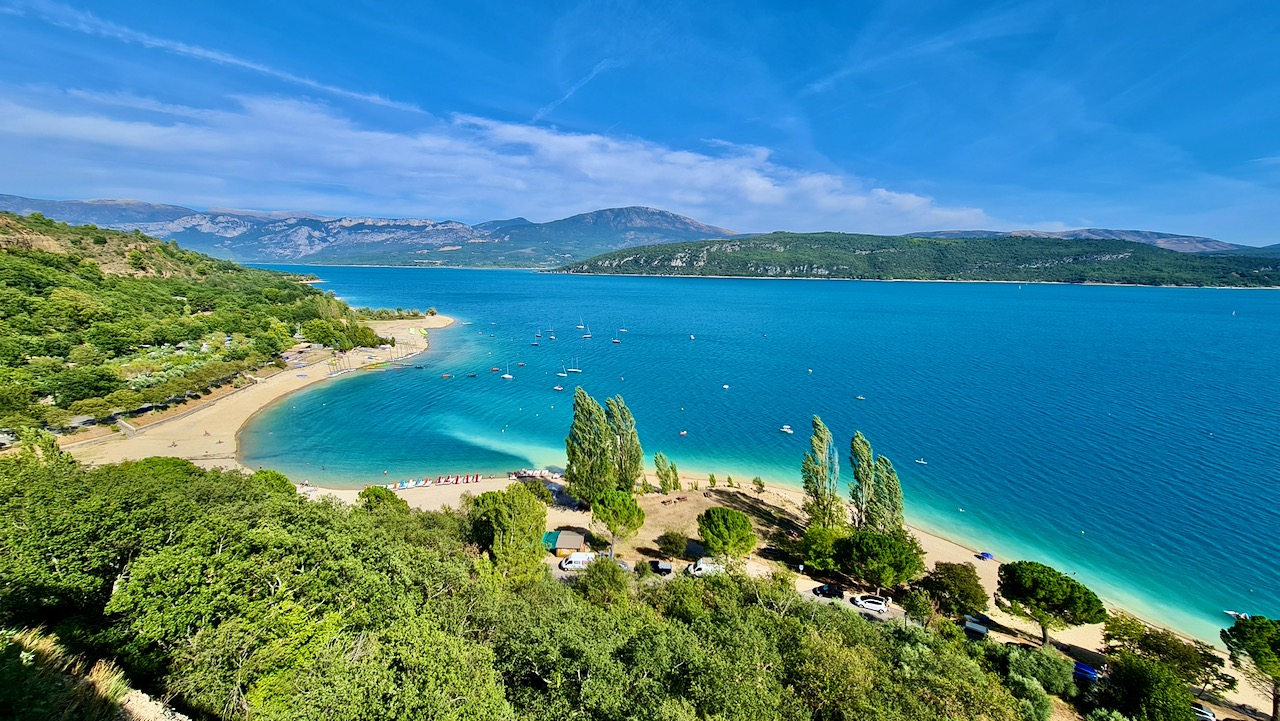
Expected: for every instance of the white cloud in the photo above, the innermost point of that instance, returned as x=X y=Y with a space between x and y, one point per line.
x=273 y=153
x=81 y=21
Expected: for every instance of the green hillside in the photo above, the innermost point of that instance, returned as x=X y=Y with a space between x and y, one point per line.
x=840 y=255
x=95 y=322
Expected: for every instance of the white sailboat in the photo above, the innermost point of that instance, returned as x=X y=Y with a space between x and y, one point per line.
x=580 y=324
x=575 y=369
x=563 y=373
x=588 y=333
x=507 y=375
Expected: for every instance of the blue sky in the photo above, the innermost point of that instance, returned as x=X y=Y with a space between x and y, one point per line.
x=874 y=117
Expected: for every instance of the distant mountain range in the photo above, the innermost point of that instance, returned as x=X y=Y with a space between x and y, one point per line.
x=283 y=237
x=300 y=237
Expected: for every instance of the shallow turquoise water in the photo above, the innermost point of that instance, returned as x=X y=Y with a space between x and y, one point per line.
x=1125 y=434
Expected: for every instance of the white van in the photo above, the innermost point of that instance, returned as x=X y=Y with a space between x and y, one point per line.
x=705 y=566
x=577 y=561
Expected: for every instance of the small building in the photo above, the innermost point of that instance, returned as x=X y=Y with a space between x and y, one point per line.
x=563 y=543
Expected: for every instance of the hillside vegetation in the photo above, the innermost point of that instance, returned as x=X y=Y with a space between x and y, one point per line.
x=95 y=322
x=239 y=599
x=839 y=255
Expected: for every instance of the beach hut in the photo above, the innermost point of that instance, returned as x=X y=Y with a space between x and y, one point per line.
x=563 y=543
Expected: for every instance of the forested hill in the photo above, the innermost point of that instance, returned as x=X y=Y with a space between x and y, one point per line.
x=97 y=322
x=840 y=255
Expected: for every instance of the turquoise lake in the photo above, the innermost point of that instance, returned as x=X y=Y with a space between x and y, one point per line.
x=1127 y=435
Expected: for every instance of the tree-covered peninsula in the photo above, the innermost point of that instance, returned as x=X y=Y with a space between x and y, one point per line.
x=877 y=257
x=96 y=322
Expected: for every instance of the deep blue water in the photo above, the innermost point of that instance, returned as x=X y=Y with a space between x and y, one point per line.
x=1128 y=435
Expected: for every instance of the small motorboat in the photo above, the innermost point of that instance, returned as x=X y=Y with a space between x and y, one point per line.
x=786 y=429
x=445 y=375
x=471 y=375
x=558 y=388
x=922 y=461
x=861 y=398
x=690 y=336
x=1237 y=615
x=520 y=365
x=495 y=369
x=725 y=386
x=684 y=433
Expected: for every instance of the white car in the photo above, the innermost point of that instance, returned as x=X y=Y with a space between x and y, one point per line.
x=879 y=604
x=1203 y=713
x=704 y=567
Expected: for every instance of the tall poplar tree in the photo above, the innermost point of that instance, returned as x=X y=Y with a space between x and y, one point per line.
x=875 y=490
x=820 y=472
x=628 y=456
x=590 y=470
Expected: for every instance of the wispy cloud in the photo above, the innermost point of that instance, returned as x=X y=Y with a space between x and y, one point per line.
x=272 y=153
x=81 y=21
x=600 y=67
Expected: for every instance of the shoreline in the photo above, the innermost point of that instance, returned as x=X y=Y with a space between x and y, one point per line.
x=937 y=547
x=208 y=434
x=912 y=280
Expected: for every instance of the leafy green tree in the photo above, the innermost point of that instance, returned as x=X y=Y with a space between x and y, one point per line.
x=883 y=560
x=956 y=588
x=628 y=456
x=820 y=474
x=1032 y=699
x=875 y=491
x=726 y=532
x=673 y=543
x=539 y=490
x=377 y=497
x=509 y=524
x=757 y=483
x=79 y=383
x=604 y=583
x=1054 y=671
x=668 y=475
x=1145 y=690
x=1048 y=596
x=618 y=512
x=1254 y=645
x=918 y=606
x=818 y=547
x=1105 y=714
x=711 y=480
x=1195 y=662
x=590 y=470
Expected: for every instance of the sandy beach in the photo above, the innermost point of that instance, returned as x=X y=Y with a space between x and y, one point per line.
x=205 y=431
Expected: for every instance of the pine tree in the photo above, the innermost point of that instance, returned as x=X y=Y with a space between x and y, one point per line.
x=820 y=473
x=628 y=456
x=590 y=470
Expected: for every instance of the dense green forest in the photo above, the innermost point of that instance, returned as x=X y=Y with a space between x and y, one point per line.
x=244 y=600
x=840 y=255
x=96 y=322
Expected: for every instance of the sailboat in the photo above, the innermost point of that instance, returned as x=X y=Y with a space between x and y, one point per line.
x=922 y=461
x=535 y=338
x=615 y=338
x=575 y=369
x=588 y=333
x=563 y=373
x=507 y=375
x=580 y=325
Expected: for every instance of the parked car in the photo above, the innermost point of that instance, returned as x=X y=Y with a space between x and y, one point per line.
x=662 y=568
x=829 y=590
x=879 y=604
x=705 y=566
x=623 y=565
x=1085 y=673
x=1203 y=713
x=577 y=561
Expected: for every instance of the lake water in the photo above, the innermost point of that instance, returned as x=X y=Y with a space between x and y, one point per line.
x=1128 y=435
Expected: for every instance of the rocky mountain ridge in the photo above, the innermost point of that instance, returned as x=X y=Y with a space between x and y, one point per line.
x=249 y=236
